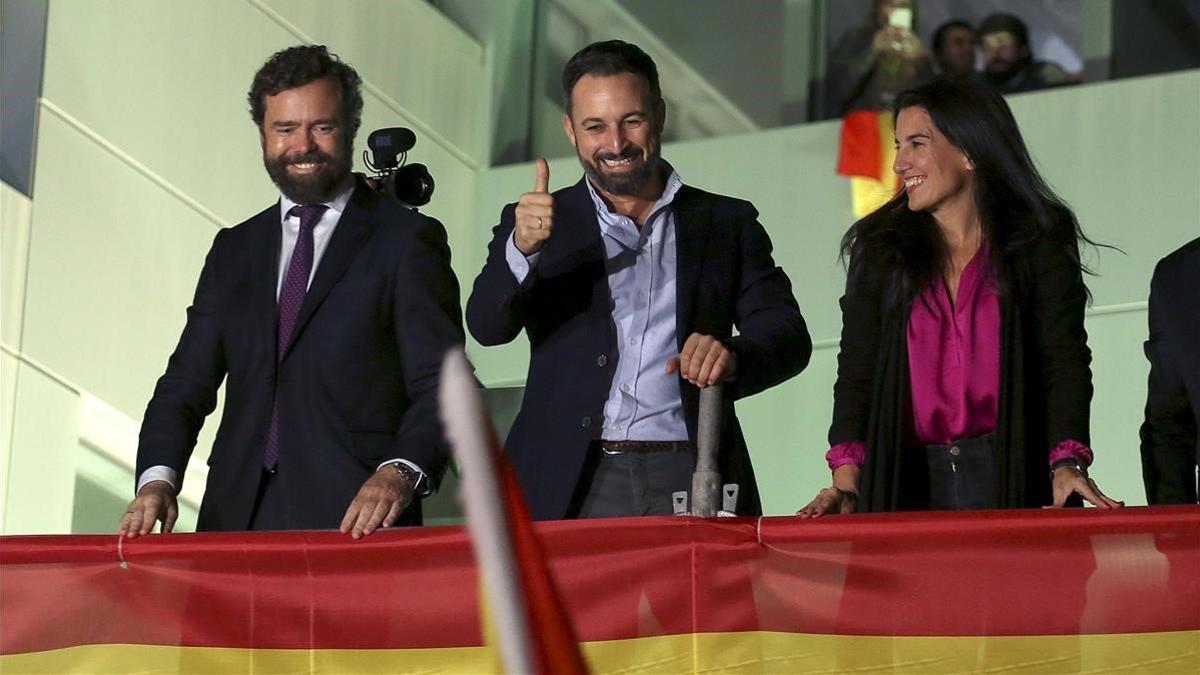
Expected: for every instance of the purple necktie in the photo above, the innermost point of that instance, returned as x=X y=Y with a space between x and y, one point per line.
x=291 y=296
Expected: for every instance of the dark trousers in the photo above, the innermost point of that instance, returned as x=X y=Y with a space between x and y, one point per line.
x=962 y=475
x=617 y=485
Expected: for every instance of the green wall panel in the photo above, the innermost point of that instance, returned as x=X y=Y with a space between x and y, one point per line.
x=41 y=476
x=15 y=212
x=112 y=267
x=412 y=54
x=8 y=405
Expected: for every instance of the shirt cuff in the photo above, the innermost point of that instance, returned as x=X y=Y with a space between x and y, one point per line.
x=159 y=472
x=1072 y=449
x=850 y=452
x=519 y=263
x=422 y=478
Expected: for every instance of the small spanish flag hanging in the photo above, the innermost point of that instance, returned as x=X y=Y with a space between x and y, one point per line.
x=865 y=155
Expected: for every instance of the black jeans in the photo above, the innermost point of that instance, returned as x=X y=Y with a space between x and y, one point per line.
x=962 y=475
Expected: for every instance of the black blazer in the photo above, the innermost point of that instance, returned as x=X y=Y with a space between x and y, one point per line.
x=1170 y=447
x=1045 y=380
x=726 y=277
x=357 y=385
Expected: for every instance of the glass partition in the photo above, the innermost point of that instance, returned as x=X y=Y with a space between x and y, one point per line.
x=731 y=67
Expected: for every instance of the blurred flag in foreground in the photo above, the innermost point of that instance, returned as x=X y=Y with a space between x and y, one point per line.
x=526 y=610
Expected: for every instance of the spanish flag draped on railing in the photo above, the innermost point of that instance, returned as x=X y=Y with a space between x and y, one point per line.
x=1076 y=590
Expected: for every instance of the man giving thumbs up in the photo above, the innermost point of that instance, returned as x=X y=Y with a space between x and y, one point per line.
x=535 y=213
x=629 y=285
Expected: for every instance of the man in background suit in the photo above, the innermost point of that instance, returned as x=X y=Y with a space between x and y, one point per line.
x=628 y=285
x=327 y=315
x=1170 y=446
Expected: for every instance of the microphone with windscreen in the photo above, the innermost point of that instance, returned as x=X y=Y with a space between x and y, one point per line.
x=409 y=184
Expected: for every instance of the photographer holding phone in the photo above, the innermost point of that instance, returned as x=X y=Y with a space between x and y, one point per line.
x=874 y=61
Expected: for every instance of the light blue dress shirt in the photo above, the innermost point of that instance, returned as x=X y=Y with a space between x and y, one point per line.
x=643 y=401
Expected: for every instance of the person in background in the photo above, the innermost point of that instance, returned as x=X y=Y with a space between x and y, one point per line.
x=1008 y=62
x=874 y=61
x=1170 y=443
x=869 y=66
x=629 y=285
x=964 y=377
x=954 y=48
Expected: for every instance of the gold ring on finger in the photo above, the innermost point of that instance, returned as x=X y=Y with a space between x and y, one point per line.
x=539 y=222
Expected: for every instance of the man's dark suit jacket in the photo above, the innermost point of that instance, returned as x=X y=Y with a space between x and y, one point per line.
x=725 y=277
x=1170 y=446
x=357 y=386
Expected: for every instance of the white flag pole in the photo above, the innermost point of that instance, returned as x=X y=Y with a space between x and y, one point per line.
x=467 y=428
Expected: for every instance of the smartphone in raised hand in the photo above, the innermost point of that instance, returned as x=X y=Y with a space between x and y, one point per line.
x=901 y=17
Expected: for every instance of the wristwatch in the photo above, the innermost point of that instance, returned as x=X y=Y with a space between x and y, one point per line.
x=416 y=477
x=1072 y=462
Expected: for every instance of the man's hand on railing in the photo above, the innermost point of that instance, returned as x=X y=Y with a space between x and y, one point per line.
x=379 y=502
x=154 y=502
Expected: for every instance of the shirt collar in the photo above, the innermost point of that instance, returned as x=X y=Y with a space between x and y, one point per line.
x=337 y=204
x=607 y=217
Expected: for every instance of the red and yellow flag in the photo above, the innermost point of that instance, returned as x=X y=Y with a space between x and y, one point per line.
x=865 y=155
x=1049 y=591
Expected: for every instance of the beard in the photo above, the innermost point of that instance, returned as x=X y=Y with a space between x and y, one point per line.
x=645 y=171
x=997 y=71
x=311 y=188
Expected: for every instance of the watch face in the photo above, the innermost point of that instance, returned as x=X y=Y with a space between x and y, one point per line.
x=409 y=473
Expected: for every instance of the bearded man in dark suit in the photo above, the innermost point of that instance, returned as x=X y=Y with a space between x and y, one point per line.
x=327 y=316
x=629 y=285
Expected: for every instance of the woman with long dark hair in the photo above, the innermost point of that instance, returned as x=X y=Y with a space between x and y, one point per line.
x=963 y=377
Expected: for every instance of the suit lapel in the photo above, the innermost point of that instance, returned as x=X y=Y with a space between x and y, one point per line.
x=692 y=225
x=353 y=230
x=265 y=281
x=577 y=215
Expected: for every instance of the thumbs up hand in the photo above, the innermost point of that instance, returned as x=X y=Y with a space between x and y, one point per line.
x=535 y=213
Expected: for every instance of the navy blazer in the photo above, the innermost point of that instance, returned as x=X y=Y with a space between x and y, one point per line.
x=1170 y=443
x=357 y=385
x=726 y=278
